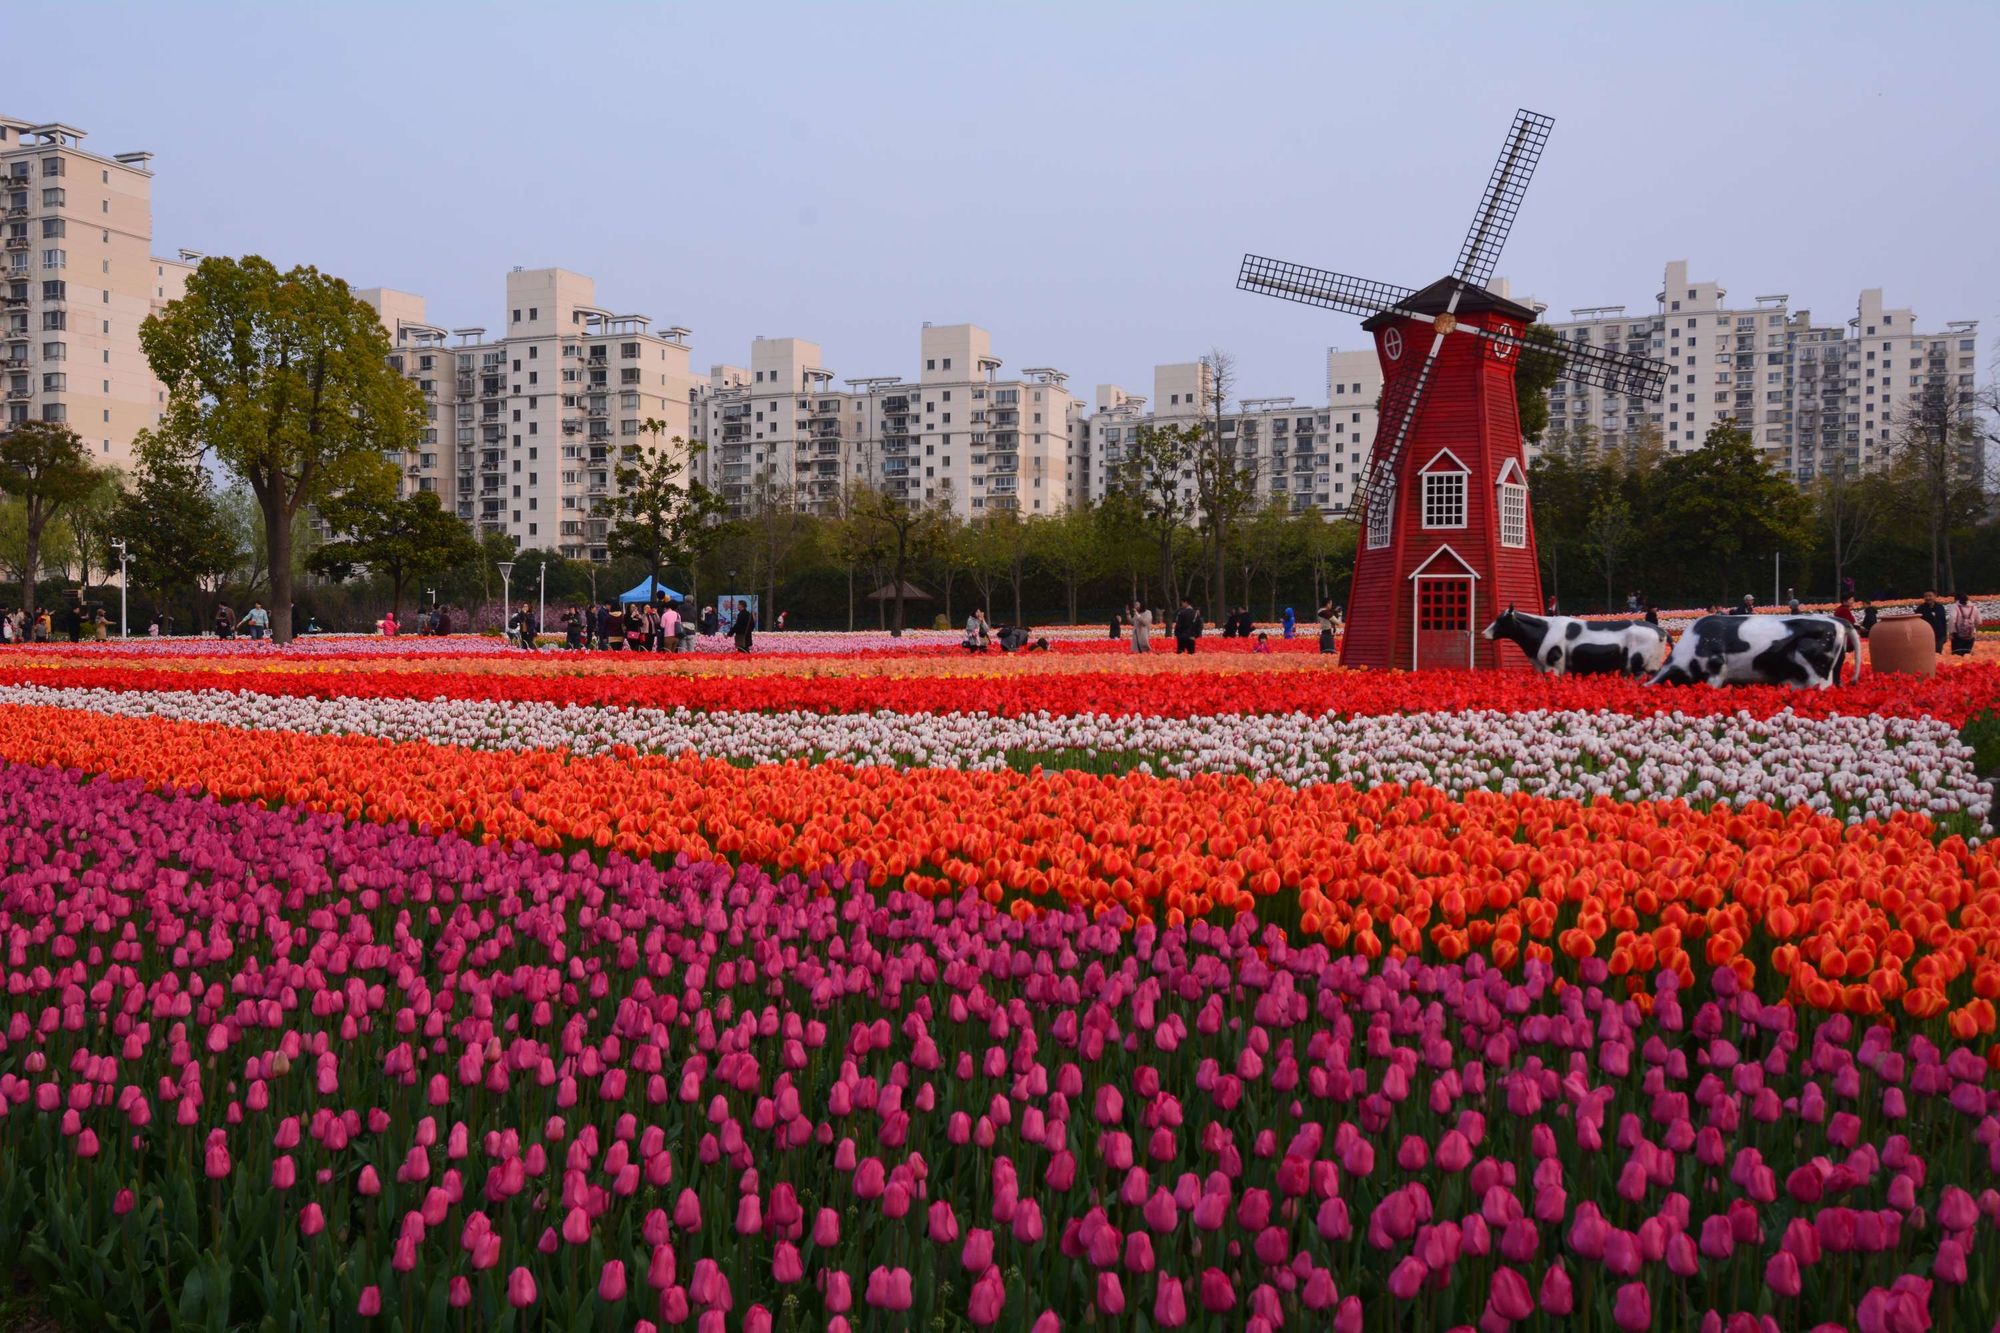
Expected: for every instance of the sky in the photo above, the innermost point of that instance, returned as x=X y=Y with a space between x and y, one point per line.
x=1080 y=179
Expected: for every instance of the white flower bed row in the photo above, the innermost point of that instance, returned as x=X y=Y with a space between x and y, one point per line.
x=1856 y=767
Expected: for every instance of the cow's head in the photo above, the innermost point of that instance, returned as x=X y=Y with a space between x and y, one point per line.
x=1507 y=625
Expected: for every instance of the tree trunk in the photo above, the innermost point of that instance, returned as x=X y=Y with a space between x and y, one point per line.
x=850 y=599
x=1072 y=599
x=1167 y=588
x=31 y=566
x=1221 y=571
x=278 y=553
x=1019 y=619
x=902 y=551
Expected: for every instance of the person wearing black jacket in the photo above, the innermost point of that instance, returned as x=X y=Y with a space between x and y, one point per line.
x=1187 y=627
x=1932 y=611
x=745 y=625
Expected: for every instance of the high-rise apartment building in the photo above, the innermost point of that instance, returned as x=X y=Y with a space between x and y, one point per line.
x=779 y=432
x=1813 y=396
x=522 y=431
x=1305 y=457
x=77 y=277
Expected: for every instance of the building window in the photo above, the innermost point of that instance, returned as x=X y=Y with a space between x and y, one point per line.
x=1513 y=514
x=1444 y=499
x=53 y=166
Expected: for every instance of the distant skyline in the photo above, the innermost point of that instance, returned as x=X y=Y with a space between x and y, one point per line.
x=1082 y=180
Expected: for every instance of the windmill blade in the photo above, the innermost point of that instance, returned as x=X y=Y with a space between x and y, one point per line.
x=1605 y=367
x=1376 y=487
x=1316 y=286
x=1504 y=191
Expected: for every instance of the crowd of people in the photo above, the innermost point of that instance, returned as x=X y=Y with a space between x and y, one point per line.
x=1188 y=627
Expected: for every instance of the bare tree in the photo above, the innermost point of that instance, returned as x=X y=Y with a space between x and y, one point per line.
x=1848 y=507
x=1225 y=486
x=1937 y=446
x=1156 y=463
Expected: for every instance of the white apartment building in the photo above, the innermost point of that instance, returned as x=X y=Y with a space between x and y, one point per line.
x=77 y=277
x=1306 y=457
x=1810 y=394
x=522 y=431
x=779 y=432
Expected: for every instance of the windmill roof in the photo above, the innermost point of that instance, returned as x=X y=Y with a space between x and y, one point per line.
x=1433 y=299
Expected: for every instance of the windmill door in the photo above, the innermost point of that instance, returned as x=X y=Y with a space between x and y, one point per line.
x=1443 y=621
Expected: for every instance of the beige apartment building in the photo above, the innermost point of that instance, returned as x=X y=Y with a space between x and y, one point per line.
x=522 y=430
x=1814 y=396
x=779 y=432
x=77 y=277
x=1305 y=457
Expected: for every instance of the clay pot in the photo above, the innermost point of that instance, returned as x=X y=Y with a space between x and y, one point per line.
x=1902 y=646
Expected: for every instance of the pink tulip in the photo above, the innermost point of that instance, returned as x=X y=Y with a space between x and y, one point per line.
x=1046 y=1322
x=611 y=1281
x=838 y=1293
x=1555 y=1294
x=1348 y=1318
x=888 y=1288
x=826 y=1228
x=1169 y=1303
x=1407 y=1278
x=1508 y=1295
x=371 y=1302
x=520 y=1289
x=1781 y=1274
x=1633 y=1310
x=312 y=1220
x=1110 y=1294
x=989 y=1296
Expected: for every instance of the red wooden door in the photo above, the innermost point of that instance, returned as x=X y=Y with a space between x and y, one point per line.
x=1444 y=621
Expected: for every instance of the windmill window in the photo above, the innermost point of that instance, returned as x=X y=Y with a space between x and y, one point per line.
x=1444 y=499
x=1381 y=509
x=1513 y=515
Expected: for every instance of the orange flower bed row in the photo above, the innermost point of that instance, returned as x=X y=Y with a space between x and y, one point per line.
x=1855 y=918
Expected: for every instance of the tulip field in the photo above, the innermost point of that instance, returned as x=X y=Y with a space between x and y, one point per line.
x=862 y=984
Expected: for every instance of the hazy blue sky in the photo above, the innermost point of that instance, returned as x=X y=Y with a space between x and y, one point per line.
x=1079 y=178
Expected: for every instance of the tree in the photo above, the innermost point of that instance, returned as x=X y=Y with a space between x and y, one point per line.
x=286 y=378
x=1723 y=507
x=1611 y=533
x=1847 y=506
x=1070 y=546
x=93 y=523
x=1936 y=446
x=1535 y=373
x=906 y=530
x=1266 y=542
x=769 y=531
x=44 y=466
x=399 y=538
x=1224 y=486
x=173 y=526
x=1156 y=463
x=655 y=515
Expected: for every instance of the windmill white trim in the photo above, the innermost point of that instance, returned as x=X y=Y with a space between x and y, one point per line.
x=1607 y=368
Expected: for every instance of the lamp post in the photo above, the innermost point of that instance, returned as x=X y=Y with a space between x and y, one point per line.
x=124 y=579
x=542 y=600
x=506 y=568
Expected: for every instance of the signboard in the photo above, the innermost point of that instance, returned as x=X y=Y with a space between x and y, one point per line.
x=726 y=607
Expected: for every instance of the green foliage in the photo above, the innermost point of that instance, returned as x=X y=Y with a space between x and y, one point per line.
x=1157 y=463
x=656 y=516
x=174 y=527
x=284 y=376
x=44 y=466
x=397 y=538
x=1534 y=374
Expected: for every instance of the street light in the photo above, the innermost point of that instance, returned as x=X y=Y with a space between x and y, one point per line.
x=124 y=580
x=506 y=568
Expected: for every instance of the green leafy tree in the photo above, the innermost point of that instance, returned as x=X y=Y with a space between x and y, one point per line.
x=45 y=467
x=174 y=528
x=1266 y=547
x=1225 y=484
x=285 y=377
x=397 y=538
x=660 y=515
x=1070 y=545
x=1535 y=373
x=907 y=532
x=92 y=521
x=1724 y=510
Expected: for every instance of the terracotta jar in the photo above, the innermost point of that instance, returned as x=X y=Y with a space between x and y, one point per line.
x=1903 y=646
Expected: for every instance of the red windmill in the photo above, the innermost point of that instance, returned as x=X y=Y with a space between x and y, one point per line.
x=1447 y=536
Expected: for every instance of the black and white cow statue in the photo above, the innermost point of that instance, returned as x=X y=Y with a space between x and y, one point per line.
x=1802 y=651
x=1566 y=646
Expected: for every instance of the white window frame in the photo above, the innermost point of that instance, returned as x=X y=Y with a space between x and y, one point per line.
x=1381 y=519
x=1438 y=484
x=1512 y=504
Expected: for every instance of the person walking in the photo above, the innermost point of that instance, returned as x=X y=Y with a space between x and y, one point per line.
x=744 y=628
x=1142 y=629
x=1964 y=626
x=258 y=621
x=442 y=625
x=1187 y=628
x=1291 y=623
x=1932 y=612
x=523 y=626
x=1329 y=635
x=670 y=627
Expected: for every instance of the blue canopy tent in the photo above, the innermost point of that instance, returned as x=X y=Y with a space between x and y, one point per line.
x=644 y=593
